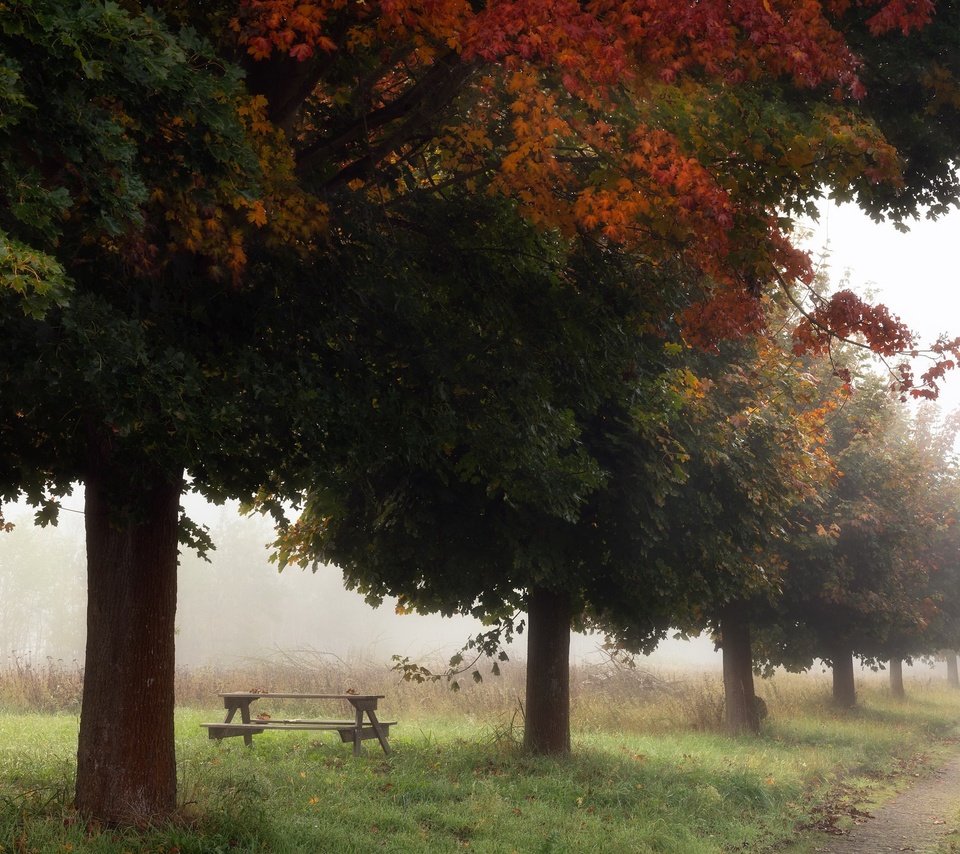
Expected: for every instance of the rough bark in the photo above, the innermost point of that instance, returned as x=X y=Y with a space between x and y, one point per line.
x=844 y=688
x=896 y=678
x=126 y=764
x=741 y=712
x=953 y=676
x=547 y=714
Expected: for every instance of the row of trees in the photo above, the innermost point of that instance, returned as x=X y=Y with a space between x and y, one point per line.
x=794 y=509
x=877 y=576
x=438 y=269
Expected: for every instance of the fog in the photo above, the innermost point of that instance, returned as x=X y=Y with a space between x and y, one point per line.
x=237 y=607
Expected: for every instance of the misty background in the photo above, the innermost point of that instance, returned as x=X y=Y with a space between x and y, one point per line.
x=237 y=607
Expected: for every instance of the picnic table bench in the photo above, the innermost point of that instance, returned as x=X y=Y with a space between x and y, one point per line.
x=354 y=731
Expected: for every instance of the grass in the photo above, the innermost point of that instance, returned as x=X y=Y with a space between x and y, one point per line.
x=649 y=773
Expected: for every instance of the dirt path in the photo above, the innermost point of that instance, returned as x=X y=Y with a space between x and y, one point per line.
x=915 y=820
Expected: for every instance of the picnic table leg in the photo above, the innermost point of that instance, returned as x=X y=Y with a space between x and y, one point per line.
x=356 y=732
x=245 y=717
x=381 y=735
x=232 y=704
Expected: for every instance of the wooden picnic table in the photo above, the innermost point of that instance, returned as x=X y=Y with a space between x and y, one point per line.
x=354 y=731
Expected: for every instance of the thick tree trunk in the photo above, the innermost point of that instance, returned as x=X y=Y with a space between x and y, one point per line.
x=844 y=688
x=953 y=677
x=896 y=678
x=740 y=702
x=126 y=766
x=547 y=717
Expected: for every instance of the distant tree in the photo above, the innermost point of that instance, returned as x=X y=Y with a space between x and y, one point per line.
x=933 y=511
x=773 y=461
x=861 y=566
x=753 y=450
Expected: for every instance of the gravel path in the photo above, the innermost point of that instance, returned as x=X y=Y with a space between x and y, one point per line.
x=915 y=820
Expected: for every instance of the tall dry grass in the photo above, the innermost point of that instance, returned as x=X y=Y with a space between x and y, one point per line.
x=606 y=696
x=39 y=685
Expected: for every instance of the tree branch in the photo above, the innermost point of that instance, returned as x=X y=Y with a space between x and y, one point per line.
x=416 y=107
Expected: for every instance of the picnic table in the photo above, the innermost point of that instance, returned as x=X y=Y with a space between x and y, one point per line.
x=355 y=730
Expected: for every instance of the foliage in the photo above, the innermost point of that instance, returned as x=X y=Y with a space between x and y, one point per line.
x=912 y=95
x=130 y=127
x=752 y=442
x=671 y=130
x=488 y=404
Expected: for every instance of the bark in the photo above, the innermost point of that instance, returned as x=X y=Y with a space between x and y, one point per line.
x=844 y=688
x=896 y=678
x=126 y=765
x=741 y=712
x=953 y=677
x=547 y=714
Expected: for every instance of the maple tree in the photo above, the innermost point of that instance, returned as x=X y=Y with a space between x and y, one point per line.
x=168 y=222
x=90 y=136
x=753 y=441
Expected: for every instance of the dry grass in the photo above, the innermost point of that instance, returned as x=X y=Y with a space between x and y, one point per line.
x=47 y=685
x=605 y=697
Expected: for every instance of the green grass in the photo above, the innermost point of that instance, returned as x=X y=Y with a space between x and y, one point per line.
x=456 y=782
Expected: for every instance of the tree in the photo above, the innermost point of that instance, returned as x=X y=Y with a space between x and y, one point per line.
x=771 y=460
x=953 y=676
x=932 y=506
x=753 y=451
x=172 y=221
x=751 y=187
x=693 y=485
x=717 y=177
x=489 y=478
x=95 y=90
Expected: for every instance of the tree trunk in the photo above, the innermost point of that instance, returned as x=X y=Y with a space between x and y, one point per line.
x=896 y=678
x=126 y=765
x=740 y=702
x=953 y=677
x=844 y=689
x=547 y=716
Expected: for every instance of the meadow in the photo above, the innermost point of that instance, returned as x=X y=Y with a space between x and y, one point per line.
x=651 y=770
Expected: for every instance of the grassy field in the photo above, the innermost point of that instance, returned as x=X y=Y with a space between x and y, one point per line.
x=649 y=772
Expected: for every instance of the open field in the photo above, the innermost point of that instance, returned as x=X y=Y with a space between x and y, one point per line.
x=650 y=770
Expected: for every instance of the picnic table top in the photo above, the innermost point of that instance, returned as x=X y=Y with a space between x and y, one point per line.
x=255 y=694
